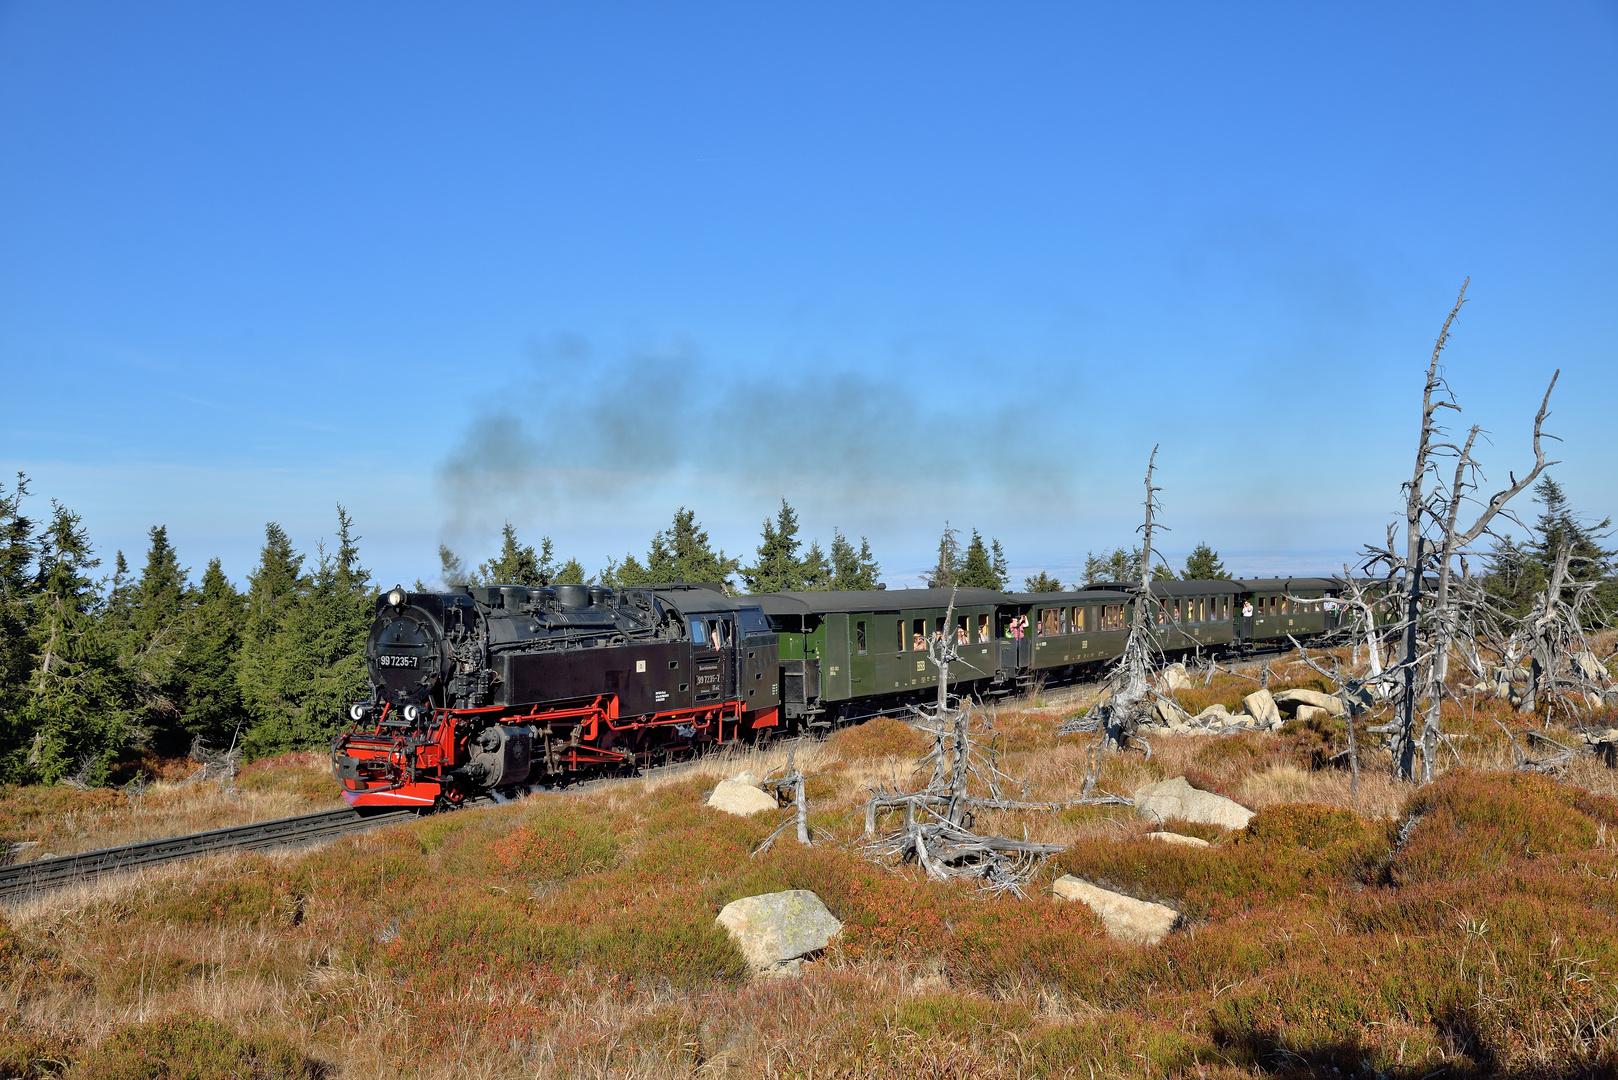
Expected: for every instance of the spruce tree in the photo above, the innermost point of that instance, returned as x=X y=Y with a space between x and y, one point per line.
x=518 y=563
x=947 y=569
x=273 y=590
x=205 y=667
x=79 y=709
x=682 y=553
x=1118 y=566
x=778 y=568
x=154 y=625
x=852 y=570
x=1203 y=565
x=451 y=571
x=18 y=548
x=1519 y=572
x=628 y=574
x=318 y=666
x=1042 y=582
x=572 y=573
x=977 y=570
x=815 y=568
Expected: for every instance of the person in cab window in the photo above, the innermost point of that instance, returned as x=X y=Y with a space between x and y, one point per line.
x=983 y=633
x=917 y=642
x=961 y=636
x=1247 y=609
x=713 y=636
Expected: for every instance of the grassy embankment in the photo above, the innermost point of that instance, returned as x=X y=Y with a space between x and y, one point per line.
x=574 y=935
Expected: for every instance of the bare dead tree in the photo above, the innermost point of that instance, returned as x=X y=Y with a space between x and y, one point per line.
x=789 y=787
x=217 y=765
x=1434 y=541
x=938 y=819
x=1131 y=693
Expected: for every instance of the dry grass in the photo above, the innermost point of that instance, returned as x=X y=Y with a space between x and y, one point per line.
x=62 y=820
x=572 y=935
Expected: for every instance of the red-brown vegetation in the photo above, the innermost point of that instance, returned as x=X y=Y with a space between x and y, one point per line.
x=1463 y=929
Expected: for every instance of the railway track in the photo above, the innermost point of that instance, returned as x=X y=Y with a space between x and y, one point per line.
x=61 y=870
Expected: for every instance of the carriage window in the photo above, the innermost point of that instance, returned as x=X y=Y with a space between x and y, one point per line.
x=859 y=637
x=1050 y=625
x=1078 y=620
x=963 y=630
x=1112 y=617
x=918 y=635
x=983 y=628
x=900 y=627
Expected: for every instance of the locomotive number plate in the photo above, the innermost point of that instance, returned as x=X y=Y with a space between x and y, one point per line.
x=398 y=661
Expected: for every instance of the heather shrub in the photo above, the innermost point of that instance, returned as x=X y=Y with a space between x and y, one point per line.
x=959 y=1016
x=23 y=809
x=1472 y=824
x=33 y=1057
x=249 y=894
x=1306 y=825
x=193 y=1048
x=884 y=736
x=1280 y=862
x=547 y=849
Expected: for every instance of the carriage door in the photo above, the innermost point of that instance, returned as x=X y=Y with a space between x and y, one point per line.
x=711 y=657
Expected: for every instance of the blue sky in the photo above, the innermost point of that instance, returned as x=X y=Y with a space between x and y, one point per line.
x=575 y=266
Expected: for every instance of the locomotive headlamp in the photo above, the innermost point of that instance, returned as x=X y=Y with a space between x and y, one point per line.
x=412 y=713
x=396 y=597
x=357 y=711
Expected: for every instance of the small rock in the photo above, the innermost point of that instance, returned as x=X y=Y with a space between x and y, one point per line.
x=1294 y=698
x=1309 y=712
x=1169 y=712
x=1594 y=700
x=1178 y=838
x=743 y=800
x=1216 y=709
x=745 y=777
x=1126 y=919
x=1261 y=707
x=1175 y=678
x=776 y=931
x=1177 y=799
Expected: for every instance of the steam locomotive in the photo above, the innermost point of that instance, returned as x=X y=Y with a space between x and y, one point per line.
x=492 y=689
x=503 y=686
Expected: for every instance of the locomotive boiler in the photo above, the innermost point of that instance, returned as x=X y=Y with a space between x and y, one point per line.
x=499 y=687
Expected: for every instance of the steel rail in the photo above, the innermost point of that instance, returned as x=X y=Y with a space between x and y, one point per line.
x=60 y=870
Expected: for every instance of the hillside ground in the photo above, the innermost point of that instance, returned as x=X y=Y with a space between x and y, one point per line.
x=1462 y=929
